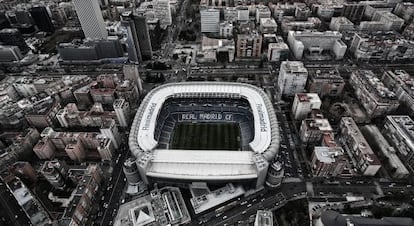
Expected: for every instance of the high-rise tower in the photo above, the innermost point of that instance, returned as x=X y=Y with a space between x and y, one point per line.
x=90 y=17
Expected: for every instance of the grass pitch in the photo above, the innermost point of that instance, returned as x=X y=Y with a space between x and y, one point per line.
x=206 y=136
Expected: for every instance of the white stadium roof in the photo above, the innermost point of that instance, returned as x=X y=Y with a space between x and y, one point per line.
x=196 y=164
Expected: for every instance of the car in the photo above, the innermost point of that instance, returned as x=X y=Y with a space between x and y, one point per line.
x=225 y=217
x=347 y=183
x=243 y=203
x=249 y=205
x=243 y=212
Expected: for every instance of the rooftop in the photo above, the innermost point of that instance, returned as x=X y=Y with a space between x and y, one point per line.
x=405 y=127
x=328 y=154
x=374 y=85
x=359 y=140
x=308 y=97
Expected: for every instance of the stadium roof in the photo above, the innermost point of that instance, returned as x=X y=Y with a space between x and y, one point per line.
x=210 y=165
x=204 y=164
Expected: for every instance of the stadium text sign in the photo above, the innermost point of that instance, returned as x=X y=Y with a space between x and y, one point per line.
x=206 y=117
x=147 y=121
x=263 y=124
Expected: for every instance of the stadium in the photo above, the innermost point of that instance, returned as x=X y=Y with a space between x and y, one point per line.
x=213 y=132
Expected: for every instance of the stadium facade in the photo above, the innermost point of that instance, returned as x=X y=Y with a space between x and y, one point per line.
x=165 y=107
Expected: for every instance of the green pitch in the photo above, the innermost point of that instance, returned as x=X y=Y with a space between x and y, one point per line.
x=206 y=136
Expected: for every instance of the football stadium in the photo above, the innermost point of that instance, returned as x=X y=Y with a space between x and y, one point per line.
x=213 y=132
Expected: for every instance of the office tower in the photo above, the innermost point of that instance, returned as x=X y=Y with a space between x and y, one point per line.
x=138 y=38
x=10 y=54
x=210 y=19
x=90 y=17
x=133 y=48
x=13 y=37
x=41 y=18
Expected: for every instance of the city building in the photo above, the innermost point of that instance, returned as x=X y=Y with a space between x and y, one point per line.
x=354 y=11
x=372 y=26
x=249 y=45
x=40 y=110
x=292 y=78
x=312 y=129
x=376 y=99
x=110 y=130
x=243 y=14
x=162 y=11
x=392 y=163
x=230 y=14
x=325 y=82
x=24 y=171
x=122 y=111
x=268 y=25
x=358 y=149
x=341 y=24
x=408 y=32
x=226 y=29
x=332 y=218
x=131 y=72
x=302 y=11
x=13 y=37
x=405 y=10
x=277 y=52
x=71 y=117
x=328 y=161
x=392 y=21
x=381 y=46
x=282 y=10
x=102 y=94
x=90 y=17
x=138 y=37
x=10 y=54
x=203 y=199
x=398 y=129
x=262 y=12
x=214 y=50
x=41 y=18
x=30 y=204
x=78 y=146
x=162 y=207
x=402 y=84
x=56 y=172
x=84 y=197
x=263 y=218
x=291 y=24
x=127 y=89
x=210 y=20
x=316 y=45
x=92 y=50
x=83 y=97
x=304 y=103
